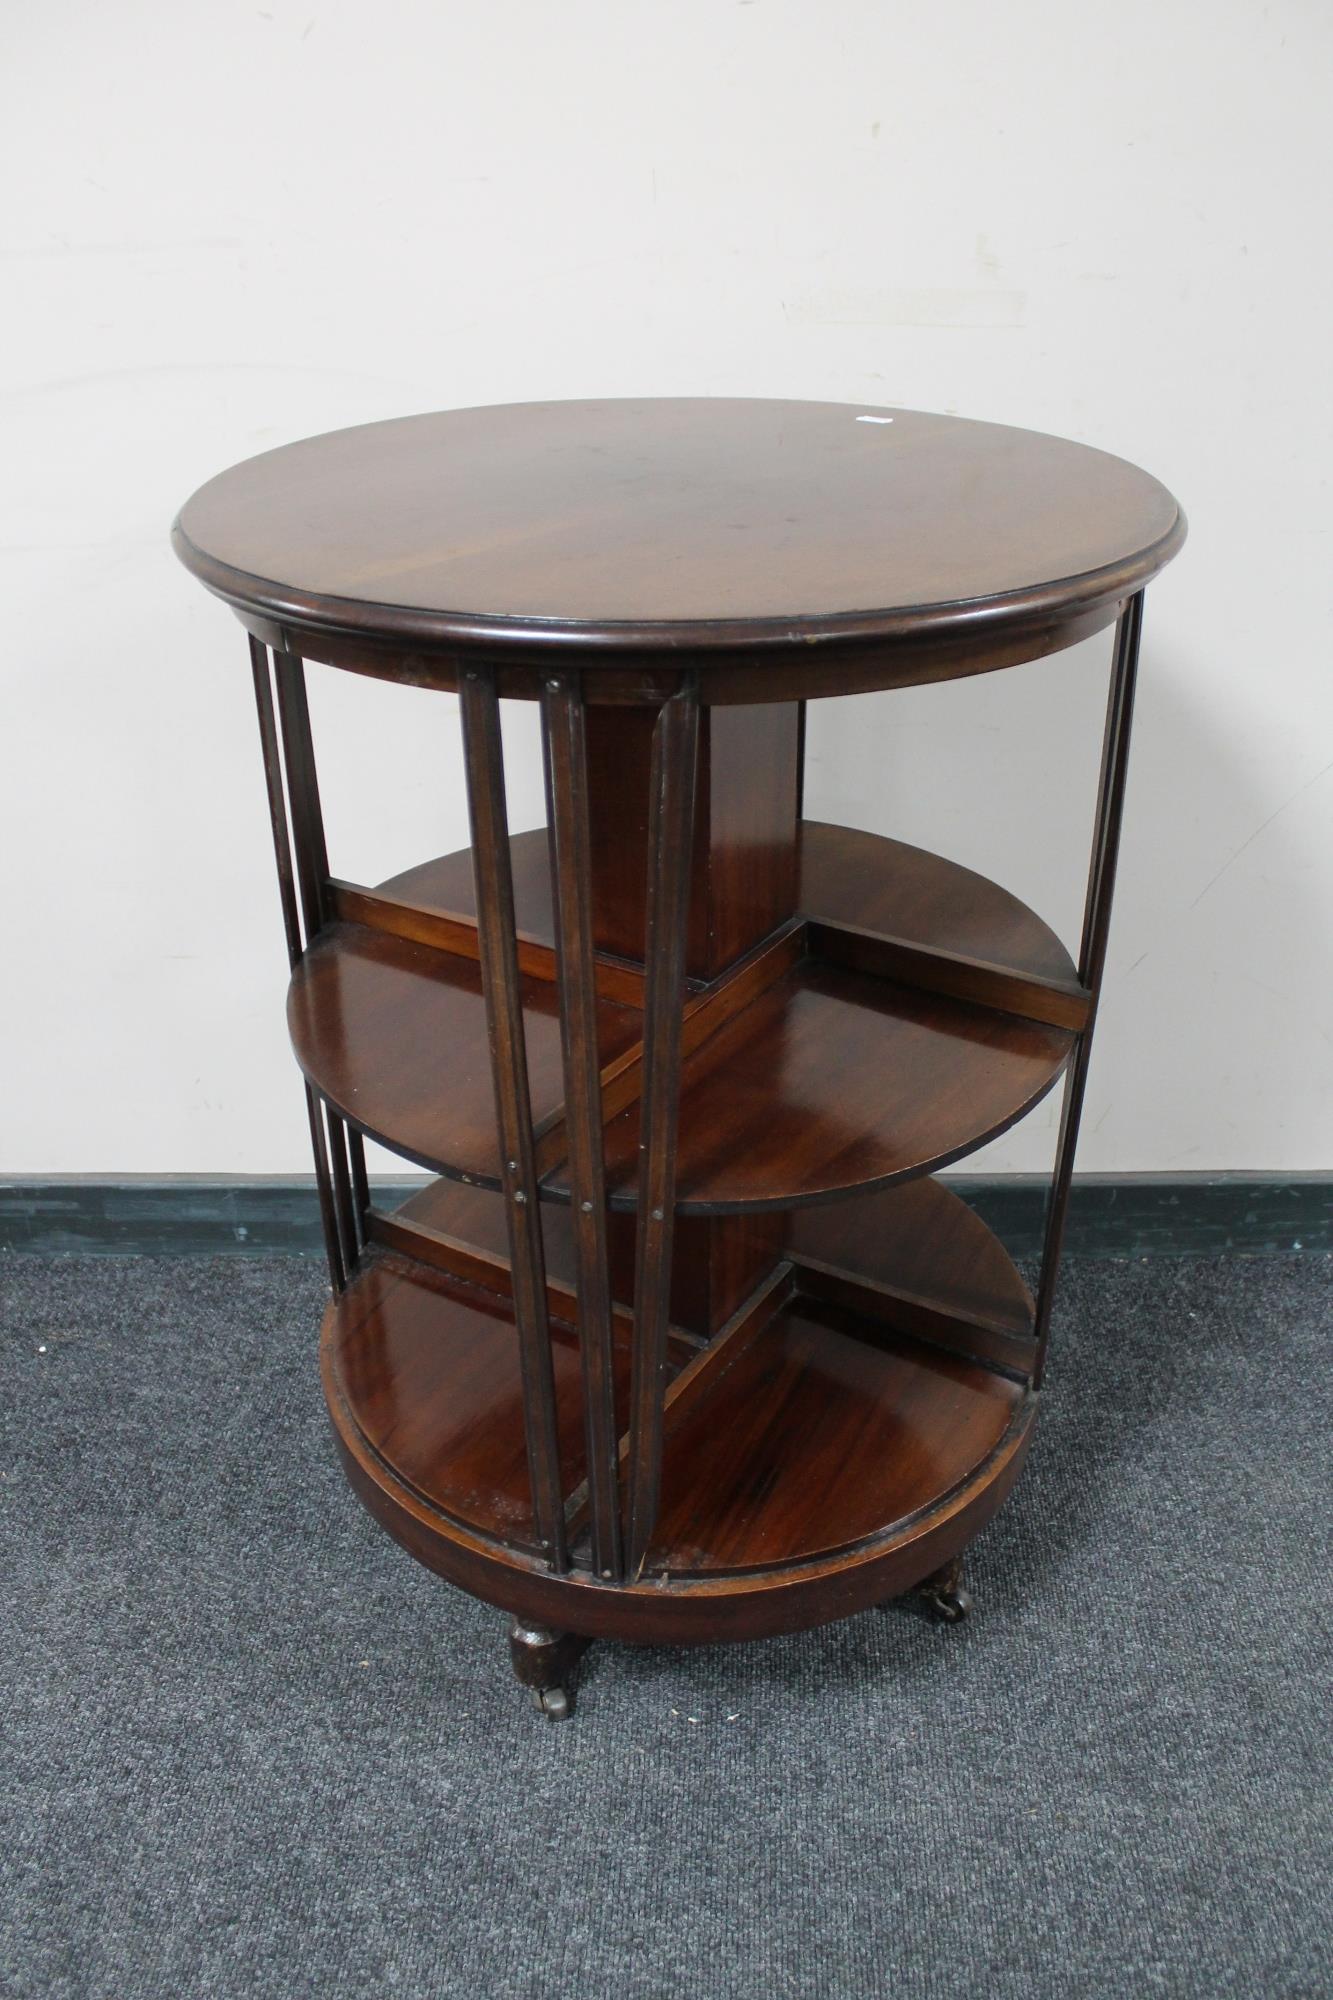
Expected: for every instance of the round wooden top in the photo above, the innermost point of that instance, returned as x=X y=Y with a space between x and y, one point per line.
x=629 y=526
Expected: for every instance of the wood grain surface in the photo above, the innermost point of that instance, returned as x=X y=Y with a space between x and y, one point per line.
x=667 y=524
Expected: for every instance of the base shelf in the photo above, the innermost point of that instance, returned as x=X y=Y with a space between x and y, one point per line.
x=823 y=1441
x=825 y=1433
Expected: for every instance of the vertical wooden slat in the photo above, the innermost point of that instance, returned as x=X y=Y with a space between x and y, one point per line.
x=1092 y=949
x=356 y=1147
x=566 y=754
x=343 y=1204
x=312 y=860
x=800 y=763
x=312 y=876
x=671 y=822
x=287 y=891
x=498 y=952
x=1111 y=795
x=277 y=799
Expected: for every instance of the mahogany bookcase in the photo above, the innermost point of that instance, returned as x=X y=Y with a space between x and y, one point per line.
x=683 y=1343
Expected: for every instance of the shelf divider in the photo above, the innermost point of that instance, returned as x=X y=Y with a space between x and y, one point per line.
x=1060 y=1003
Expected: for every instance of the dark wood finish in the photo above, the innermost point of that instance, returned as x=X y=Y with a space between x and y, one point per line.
x=356 y=1153
x=277 y=800
x=400 y=1343
x=852 y=880
x=684 y=1611
x=340 y=1171
x=922 y=1238
x=424 y=1384
x=800 y=760
x=725 y=676
x=418 y=1345
x=944 y=1594
x=1092 y=947
x=753 y=782
x=716 y=1261
x=607 y=528
x=287 y=896
x=361 y=1001
x=456 y=935
x=691 y=1379
x=544 y=1662
x=701 y=1016
x=755 y=1474
x=846 y=879
x=312 y=860
x=446 y=883
x=462 y=1256
x=743 y=851
x=672 y=778
x=461 y=1231
x=684 y=1345
x=774 y=1108
x=483 y=758
x=431 y=1366
x=566 y=756
x=899 y=1311
x=620 y=748
x=1059 y=1004
x=918 y=1259
x=328 y=1134
x=694 y=1381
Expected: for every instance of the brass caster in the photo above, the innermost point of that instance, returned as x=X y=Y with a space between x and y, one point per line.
x=543 y=1661
x=944 y=1595
x=948 y=1607
x=553 y=1702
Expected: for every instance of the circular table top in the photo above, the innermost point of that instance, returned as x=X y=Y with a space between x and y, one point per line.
x=625 y=526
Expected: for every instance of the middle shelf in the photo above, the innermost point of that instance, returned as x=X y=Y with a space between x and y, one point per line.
x=910 y=1012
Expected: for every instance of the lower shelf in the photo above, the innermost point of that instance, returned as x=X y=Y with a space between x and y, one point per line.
x=822 y=1457
x=826 y=1431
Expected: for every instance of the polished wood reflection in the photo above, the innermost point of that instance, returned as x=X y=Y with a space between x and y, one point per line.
x=775 y=1108
x=615 y=526
x=814 y=1440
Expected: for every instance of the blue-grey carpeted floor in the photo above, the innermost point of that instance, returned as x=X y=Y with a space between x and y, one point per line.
x=251 y=1749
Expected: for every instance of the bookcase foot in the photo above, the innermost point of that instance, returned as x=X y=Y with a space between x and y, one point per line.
x=544 y=1662
x=944 y=1595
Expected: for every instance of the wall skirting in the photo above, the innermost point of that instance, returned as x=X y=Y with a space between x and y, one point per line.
x=1130 y=1215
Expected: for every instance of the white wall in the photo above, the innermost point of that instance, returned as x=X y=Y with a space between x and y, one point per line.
x=231 y=225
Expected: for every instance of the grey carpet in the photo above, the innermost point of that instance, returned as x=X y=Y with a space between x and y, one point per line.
x=251 y=1749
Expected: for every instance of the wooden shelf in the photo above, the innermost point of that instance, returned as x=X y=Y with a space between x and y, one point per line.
x=880 y=1373
x=430 y=1366
x=916 y=1255
x=911 y=1012
x=826 y=1432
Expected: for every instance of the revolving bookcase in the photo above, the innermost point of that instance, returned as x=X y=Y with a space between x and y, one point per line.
x=683 y=1343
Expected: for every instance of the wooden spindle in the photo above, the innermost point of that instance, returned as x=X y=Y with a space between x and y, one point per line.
x=571 y=888
x=483 y=758
x=1092 y=949
x=312 y=860
x=287 y=892
x=670 y=832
